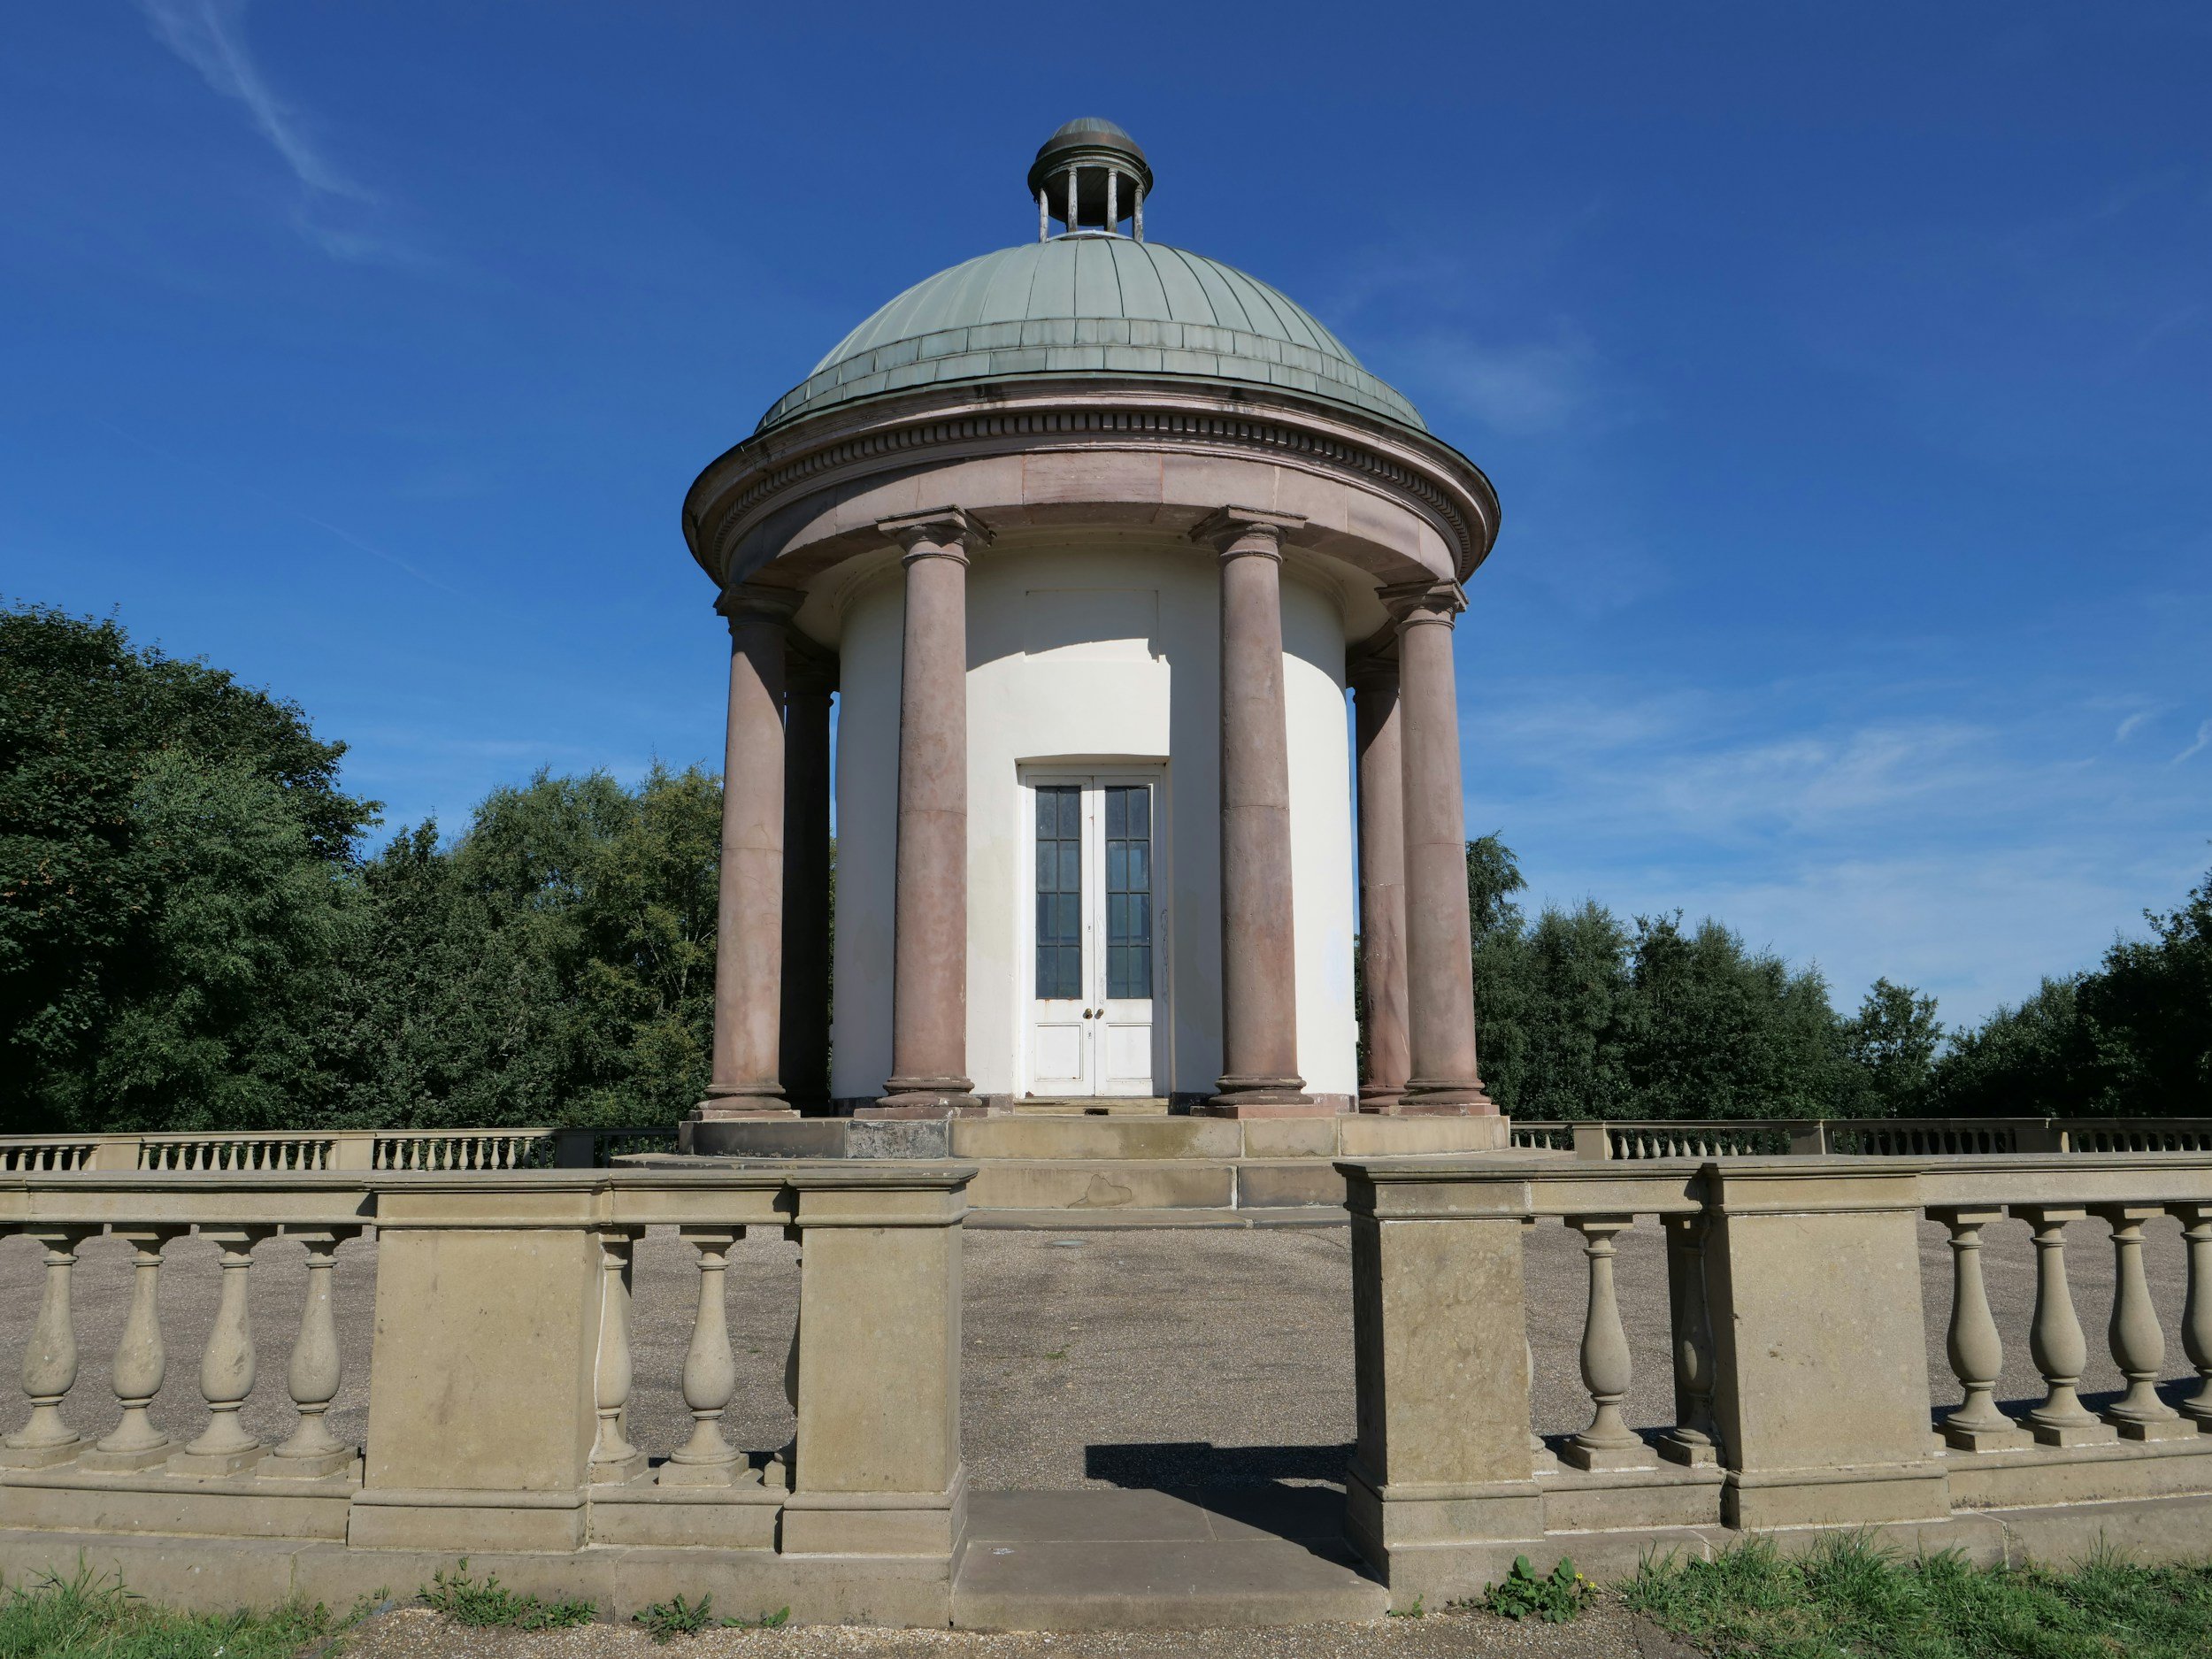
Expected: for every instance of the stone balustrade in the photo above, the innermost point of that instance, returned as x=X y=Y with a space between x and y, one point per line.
x=273 y=1150
x=1863 y=1137
x=1802 y=1398
x=499 y=1378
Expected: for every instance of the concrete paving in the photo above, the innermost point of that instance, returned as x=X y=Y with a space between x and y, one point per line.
x=1154 y=1358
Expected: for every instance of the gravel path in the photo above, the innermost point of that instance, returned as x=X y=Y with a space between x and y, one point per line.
x=1605 y=1632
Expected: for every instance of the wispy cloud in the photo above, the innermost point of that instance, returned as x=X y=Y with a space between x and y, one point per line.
x=209 y=35
x=2133 y=724
x=2204 y=737
x=1522 y=389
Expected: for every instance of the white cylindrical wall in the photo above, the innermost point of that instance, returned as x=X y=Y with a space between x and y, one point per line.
x=1102 y=656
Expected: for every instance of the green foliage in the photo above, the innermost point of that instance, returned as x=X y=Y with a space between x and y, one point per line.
x=1891 y=1044
x=555 y=963
x=1846 y=1598
x=665 y=1621
x=2133 y=1039
x=1582 y=1016
x=87 y=1616
x=175 y=888
x=486 y=1602
x=1555 y=1597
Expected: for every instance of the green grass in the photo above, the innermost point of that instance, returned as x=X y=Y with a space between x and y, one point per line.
x=1845 y=1598
x=87 y=1616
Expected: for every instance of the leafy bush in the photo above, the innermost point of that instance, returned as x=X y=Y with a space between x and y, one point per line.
x=486 y=1602
x=1555 y=1597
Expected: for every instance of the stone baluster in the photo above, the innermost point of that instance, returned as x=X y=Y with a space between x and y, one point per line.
x=1692 y=1440
x=49 y=1363
x=2139 y=1347
x=2055 y=1340
x=141 y=1363
x=1609 y=1442
x=311 y=1450
x=783 y=1466
x=613 y=1458
x=227 y=1366
x=2196 y=1312
x=709 y=1370
x=1977 y=1351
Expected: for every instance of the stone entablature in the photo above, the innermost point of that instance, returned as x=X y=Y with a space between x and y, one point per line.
x=1389 y=504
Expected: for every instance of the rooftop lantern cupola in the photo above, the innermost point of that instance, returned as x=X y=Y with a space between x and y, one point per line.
x=1092 y=177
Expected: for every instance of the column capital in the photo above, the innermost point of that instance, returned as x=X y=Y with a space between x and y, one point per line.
x=1236 y=531
x=808 y=670
x=950 y=532
x=1413 y=603
x=1372 y=670
x=757 y=602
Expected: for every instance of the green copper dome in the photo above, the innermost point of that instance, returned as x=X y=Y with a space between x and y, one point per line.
x=1095 y=304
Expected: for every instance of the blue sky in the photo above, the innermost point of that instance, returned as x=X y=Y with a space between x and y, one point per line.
x=1845 y=374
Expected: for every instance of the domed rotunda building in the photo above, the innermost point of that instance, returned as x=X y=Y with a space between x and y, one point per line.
x=1088 y=537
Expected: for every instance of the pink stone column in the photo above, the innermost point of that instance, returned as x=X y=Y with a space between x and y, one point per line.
x=929 y=951
x=809 y=679
x=749 y=917
x=1440 y=965
x=1259 y=966
x=1382 y=884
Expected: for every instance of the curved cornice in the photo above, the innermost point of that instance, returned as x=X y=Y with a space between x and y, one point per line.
x=776 y=471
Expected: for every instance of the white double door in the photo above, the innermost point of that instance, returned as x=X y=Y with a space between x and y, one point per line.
x=1094 y=960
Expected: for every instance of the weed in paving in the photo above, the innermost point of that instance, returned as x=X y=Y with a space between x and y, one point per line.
x=88 y=1617
x=486 y=1602
x=1848 y=1598
x=667 y=1620
x=1554 y=1597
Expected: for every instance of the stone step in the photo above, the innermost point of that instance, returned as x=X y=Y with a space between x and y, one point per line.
x=1103 y=1183
x=1093 y=1106
x=1151 y=1560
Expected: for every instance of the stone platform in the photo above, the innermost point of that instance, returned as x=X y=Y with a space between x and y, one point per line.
x=1147 y=1167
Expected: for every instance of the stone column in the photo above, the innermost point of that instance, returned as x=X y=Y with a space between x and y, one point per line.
x=1382 y=884
x=1259 y=967
x=748 y=921
x=929 y=951
x=810 y=680
x=1440 y=965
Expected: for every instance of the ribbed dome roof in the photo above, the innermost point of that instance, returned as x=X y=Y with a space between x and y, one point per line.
x=1091 y=305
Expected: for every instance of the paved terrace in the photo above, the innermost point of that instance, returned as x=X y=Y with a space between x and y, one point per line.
x=1157 y=1358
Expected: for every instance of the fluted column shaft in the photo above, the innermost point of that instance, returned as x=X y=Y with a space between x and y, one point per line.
x=749 y=939
x=929 y=952
x=1259 y=959
x=1382 y=884
x=1439 y=966
x=806 y=882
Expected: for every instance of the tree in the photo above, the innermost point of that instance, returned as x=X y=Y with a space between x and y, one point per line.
x=1891 y=1046
x=555 y=964
x=174 y=886
x=1714 y=1031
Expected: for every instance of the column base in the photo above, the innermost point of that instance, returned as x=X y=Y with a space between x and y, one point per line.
x=926 y=1097
x=740 y=1107
x=1263 y=1097
x=1380 y=1100
x=1446 y=1097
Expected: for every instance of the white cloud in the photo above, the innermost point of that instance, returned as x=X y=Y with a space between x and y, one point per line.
x=1517 y=389
x=2204 y=736
x=209 y=35
x=2128 y=727
x=1967 y=847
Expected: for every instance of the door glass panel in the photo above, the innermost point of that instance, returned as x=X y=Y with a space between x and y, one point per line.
x=1128 y=890
x=1059 y=892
